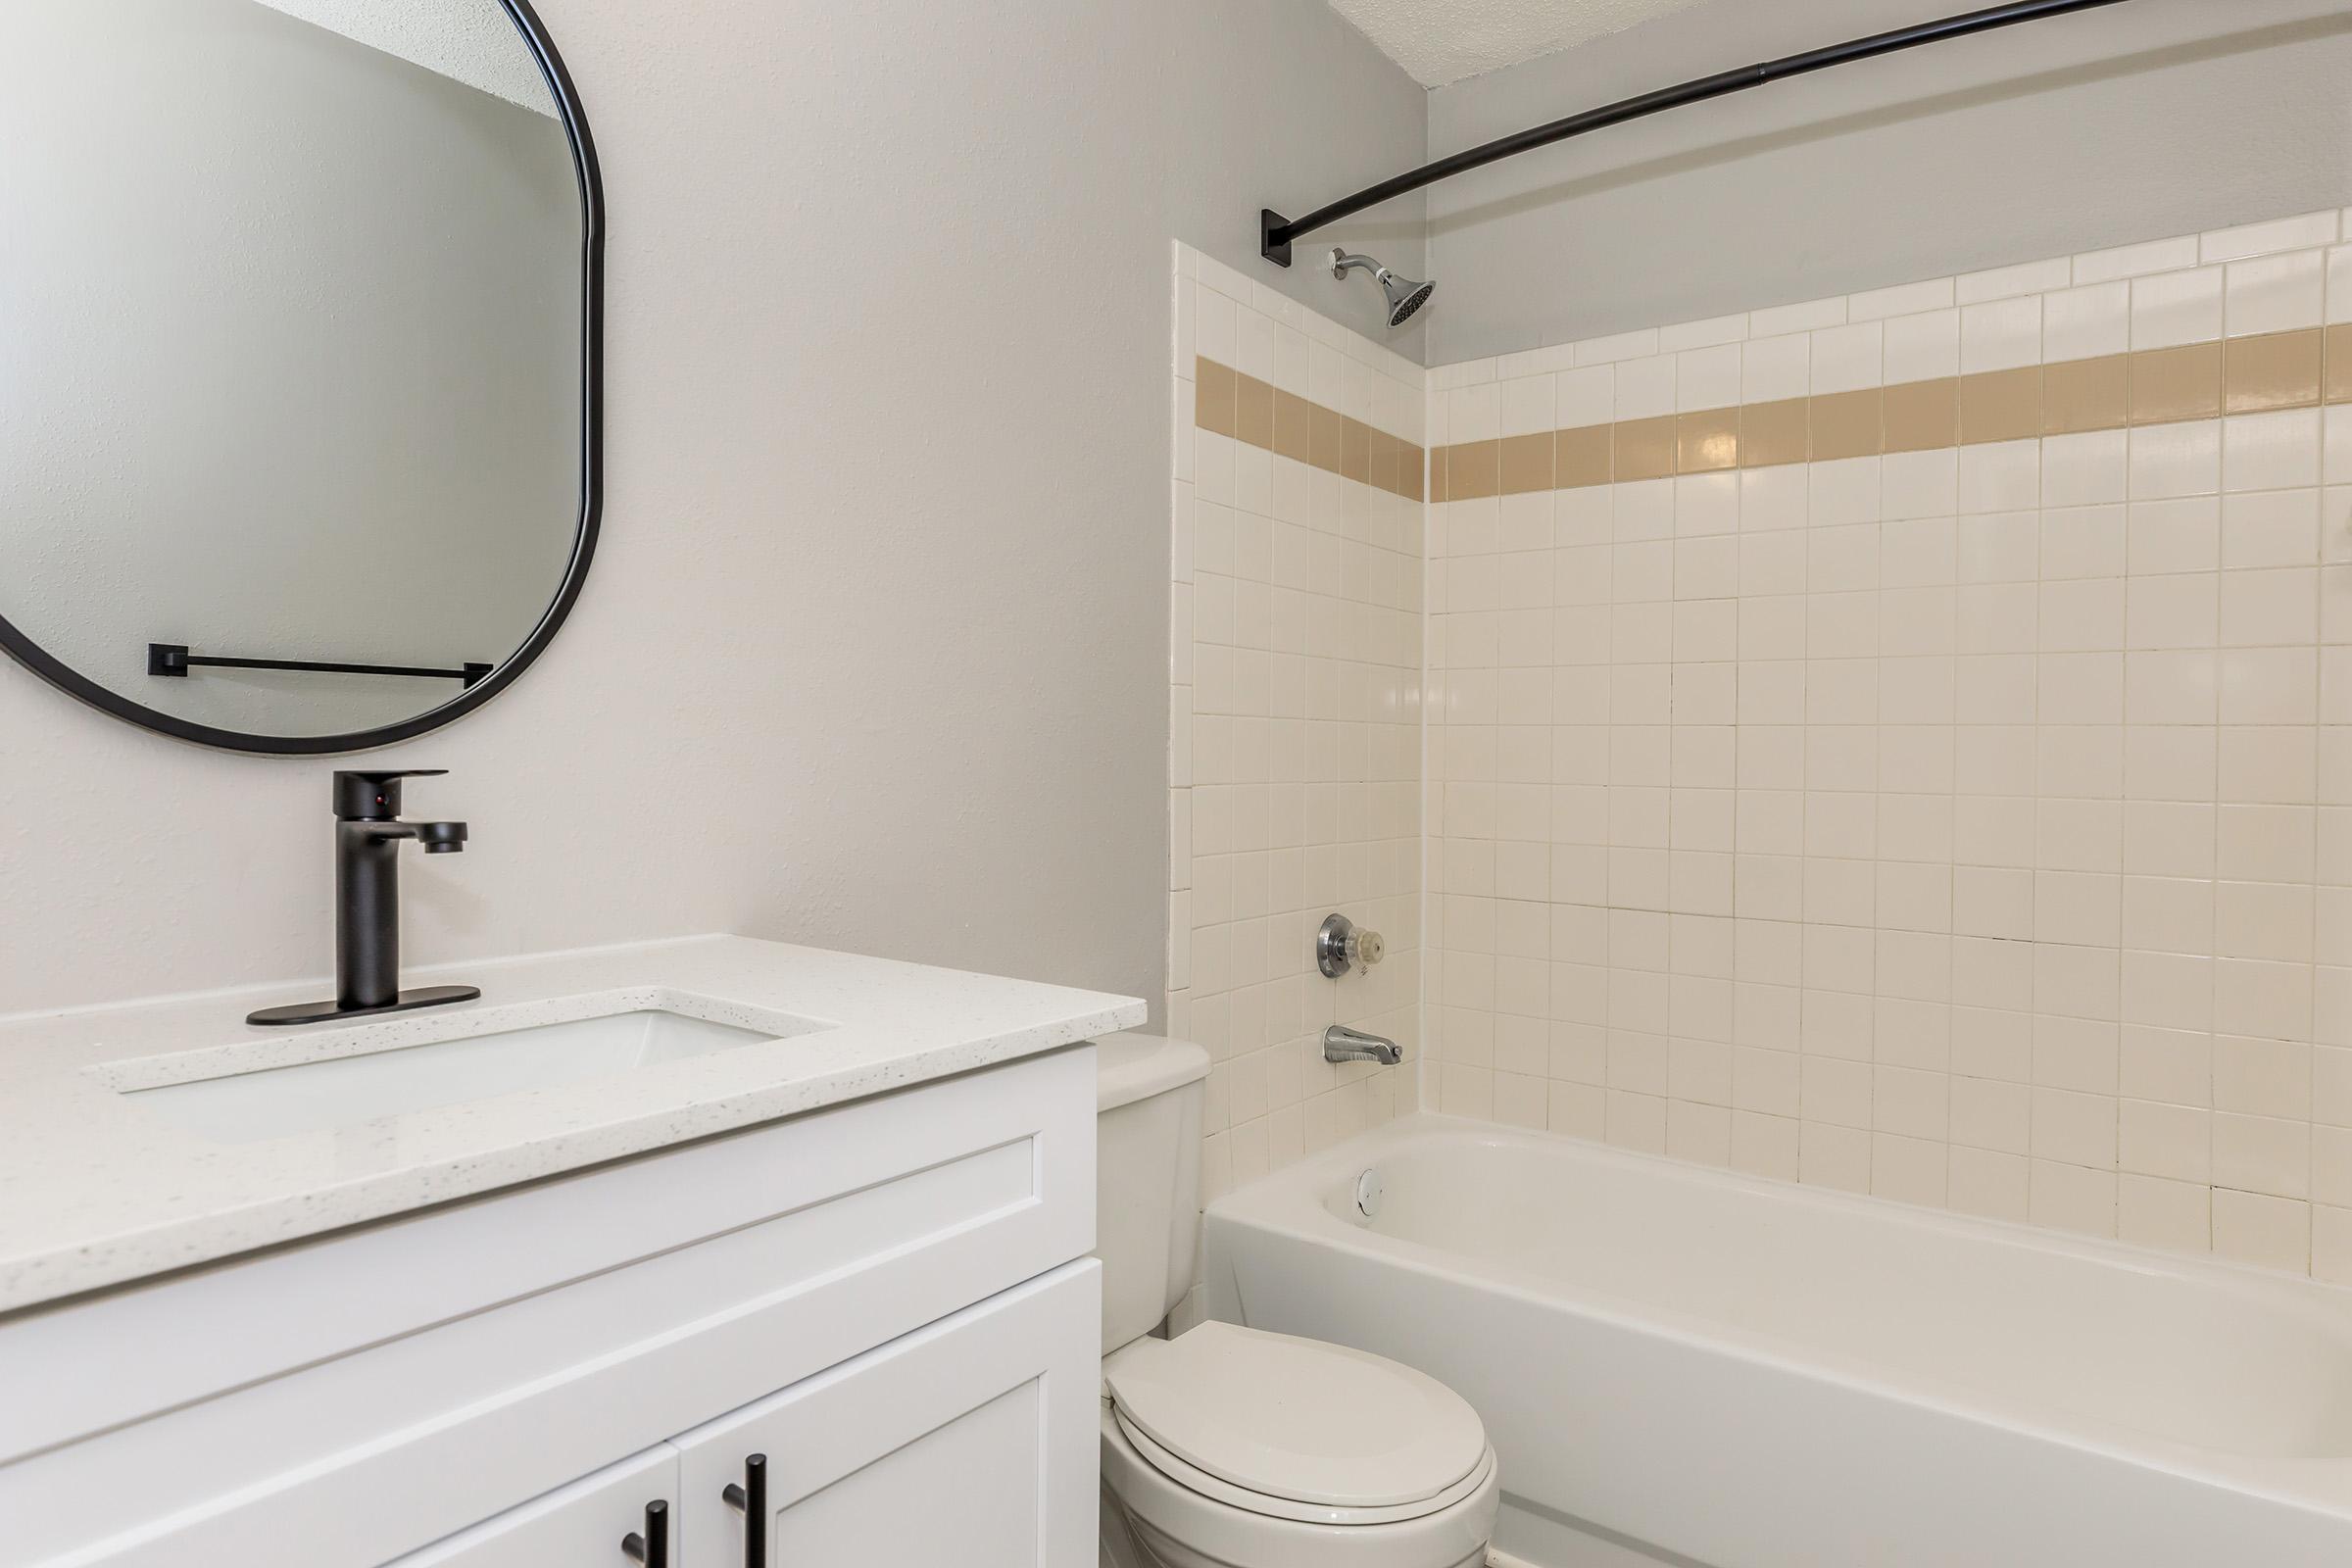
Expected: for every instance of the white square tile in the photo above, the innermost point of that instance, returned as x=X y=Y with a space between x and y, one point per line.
x=2162 y=687
x=2083 y=542
x=1585 y=396
x=2271 y=527
x=1922 y=347
x=2336 y=463
x=1774 y=370
x=2275 y=451
x=1645 y=387
x=1530 y=362
x=1618 y=346
x=1919 y=484
x=2268 y=608
x=1702 y=334
x=2083 y=616
x=1904 y=298
x=2087 y=323
x=1848 y=358
x=2171 y=309
x=1707 y=377
x=2276 y=234
x=1474 y=412
x=2173 y=612
x=2001 y=336
x=1526 y=405
x=2339 y=285
x=2268 y=686
x=1772 y=499
x=1806 y=317
x=2274 y=294
x=2174 y=536
x=2137 y=260
x=2084 y=469
x=2171 y=461
x=2266 y=1230
x=2001 y=282
x=1847 y=490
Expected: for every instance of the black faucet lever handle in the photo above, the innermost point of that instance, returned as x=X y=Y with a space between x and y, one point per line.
x=373 y=795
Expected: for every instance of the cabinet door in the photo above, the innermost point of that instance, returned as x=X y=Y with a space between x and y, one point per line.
x=585 y=1525
x=971 y=1441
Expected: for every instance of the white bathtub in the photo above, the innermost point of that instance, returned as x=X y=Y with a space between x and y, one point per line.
x=1692 y=1366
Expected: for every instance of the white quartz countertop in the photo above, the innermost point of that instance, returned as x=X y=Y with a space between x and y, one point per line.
x=98 y=1190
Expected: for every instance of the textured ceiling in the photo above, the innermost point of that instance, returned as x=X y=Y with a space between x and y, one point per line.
x=1441 y=41
x=472 y=41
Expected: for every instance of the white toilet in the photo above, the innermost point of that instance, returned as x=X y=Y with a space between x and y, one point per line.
x=1231 y=1448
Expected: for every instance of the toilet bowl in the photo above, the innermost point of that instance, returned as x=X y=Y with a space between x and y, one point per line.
x=1231 y=1448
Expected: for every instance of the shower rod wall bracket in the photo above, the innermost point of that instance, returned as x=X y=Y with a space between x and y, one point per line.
x=1273 y=236
x=1277 y=234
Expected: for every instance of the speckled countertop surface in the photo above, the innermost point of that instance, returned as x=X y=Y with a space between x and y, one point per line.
x=98 y=1190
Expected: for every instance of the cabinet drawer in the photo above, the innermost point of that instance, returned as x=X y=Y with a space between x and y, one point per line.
x=747 y=1263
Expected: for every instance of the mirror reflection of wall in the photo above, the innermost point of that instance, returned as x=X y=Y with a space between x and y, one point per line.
x=290 y=346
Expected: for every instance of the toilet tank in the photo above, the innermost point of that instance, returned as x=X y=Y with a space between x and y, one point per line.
x=1148 y=1093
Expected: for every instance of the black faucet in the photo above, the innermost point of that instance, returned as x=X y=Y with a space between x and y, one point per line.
x=367 y=838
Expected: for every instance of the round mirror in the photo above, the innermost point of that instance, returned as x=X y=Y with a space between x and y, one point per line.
x=299 y=336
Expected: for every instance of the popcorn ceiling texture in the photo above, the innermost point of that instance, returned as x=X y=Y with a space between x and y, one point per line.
x=472 y=41
x=1442 y=41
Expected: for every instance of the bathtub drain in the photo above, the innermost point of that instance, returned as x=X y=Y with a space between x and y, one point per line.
x=1367 y=1195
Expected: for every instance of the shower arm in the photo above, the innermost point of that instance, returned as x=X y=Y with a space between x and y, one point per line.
x=1277 y=232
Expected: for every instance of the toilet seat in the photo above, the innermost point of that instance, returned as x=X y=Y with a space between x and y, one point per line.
x=1202 y=1483
x=1152 y=1520
x=1297 y=1429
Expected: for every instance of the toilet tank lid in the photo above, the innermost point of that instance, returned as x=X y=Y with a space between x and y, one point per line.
x=1129 y=1067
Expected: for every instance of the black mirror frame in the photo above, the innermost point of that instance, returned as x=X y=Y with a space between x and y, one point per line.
x=34 y=658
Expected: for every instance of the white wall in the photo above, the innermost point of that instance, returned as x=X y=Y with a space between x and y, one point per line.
x=872 y=655
x=2159 y=116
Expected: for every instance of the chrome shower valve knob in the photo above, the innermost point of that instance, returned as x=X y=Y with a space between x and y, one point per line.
x=1340 y=945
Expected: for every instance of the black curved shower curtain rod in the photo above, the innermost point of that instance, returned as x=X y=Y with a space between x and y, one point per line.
x=1276 y=232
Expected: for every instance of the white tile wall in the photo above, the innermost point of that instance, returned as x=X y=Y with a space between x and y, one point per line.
x=1971 y=827
x=1294 y=747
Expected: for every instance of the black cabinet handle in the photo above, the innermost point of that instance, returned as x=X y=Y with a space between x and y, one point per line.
x=651 y=1549
x=751 y=1499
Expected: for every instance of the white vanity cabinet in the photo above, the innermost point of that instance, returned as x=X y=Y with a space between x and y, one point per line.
x=971 y=1441
x=584 y=1523
x=889 y=1300
x=961 y=1443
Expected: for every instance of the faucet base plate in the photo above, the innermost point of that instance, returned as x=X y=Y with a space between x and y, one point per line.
x=329 y=1011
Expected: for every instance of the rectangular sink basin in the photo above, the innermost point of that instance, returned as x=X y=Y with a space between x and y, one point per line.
x=347 y=1090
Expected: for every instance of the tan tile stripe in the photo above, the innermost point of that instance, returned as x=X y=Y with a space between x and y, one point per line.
x=1229 y=403
x=2157 y=386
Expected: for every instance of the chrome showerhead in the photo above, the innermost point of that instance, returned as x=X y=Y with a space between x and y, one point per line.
x=1404 y=295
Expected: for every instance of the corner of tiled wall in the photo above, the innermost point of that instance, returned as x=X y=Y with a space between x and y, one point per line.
x=1295 y=715
x=1903 y=742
